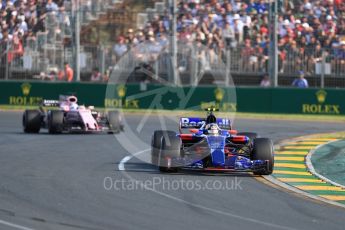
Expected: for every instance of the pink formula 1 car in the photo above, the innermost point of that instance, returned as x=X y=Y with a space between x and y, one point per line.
x=71 y=117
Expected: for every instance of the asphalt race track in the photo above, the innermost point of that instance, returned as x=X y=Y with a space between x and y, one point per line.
x=57 y=182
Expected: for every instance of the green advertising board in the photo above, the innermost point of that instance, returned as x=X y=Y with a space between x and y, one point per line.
x=135 y=96
x=291 y=100
x=31 y=93
x=170 y=98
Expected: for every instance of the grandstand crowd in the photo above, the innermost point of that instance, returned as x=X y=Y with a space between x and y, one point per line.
x=20 y=20
x=305 y=28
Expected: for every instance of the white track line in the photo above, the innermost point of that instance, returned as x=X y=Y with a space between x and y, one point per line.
x=16 y=226
x=128 y=158
x=123 y=162
x=121 y=167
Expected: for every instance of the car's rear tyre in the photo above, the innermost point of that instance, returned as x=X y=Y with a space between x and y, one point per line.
x=32 y=121
x=263 y=150
x=156 y=143
x=55 y=122
x=170 y=150
x=114 y=120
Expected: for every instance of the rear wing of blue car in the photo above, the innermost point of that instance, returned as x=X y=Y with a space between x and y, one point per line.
x=197 y=123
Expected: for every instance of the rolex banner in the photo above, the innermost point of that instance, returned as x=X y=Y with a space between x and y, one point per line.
x=291 y=100
x=135 y=96
x=32 y=93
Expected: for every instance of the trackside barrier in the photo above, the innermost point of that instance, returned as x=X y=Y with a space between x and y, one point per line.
x=259 y=100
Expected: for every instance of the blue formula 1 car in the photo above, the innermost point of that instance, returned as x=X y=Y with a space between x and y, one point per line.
x=211 y=145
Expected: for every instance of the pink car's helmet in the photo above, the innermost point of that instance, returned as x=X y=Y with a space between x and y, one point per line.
x=72 y=99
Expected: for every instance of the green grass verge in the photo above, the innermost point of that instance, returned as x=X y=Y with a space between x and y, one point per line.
x=177 y=113
x=337 y=135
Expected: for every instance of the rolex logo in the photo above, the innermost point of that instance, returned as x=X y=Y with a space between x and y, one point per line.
x=321 y=96
x=219 y=93
x=26 y=87
x=121 y=91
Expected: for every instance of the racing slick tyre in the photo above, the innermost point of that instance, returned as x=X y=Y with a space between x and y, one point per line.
x=32 y=121
x=55 y=122
x=170 y=149
x=263 y=150
x=252 y=136
x=114 y=120
x=156 y=143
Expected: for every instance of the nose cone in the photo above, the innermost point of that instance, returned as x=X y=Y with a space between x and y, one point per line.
x=88 y=119
x=216 y=145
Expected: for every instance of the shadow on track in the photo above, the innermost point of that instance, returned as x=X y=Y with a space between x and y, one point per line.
x=152 y=169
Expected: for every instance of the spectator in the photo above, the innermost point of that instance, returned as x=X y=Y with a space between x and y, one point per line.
x=300 y=82
x=96 y=75
x=51 y=6
x=261 y=7
x=61 y=75
x=52 y=74
x=238 y=28
x=120 y=48
x=16 y=51
x=229 y=35
x=249 y=60
x=68 y=73
x=106 y=76
x=22 y=25
x=265 y=82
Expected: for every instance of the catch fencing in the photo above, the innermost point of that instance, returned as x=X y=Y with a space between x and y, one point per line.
x=47 y=52
x=41 y=56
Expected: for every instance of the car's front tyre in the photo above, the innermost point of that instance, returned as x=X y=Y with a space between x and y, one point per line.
x=156 y=143
x=263 y=150
x=170 y=150
x=114 y=120
x=32 y=121
x=55 y=122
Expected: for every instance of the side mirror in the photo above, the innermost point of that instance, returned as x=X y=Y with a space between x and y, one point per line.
x=194 y=130
x=233 y=132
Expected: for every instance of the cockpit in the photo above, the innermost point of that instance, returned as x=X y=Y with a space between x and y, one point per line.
x=69 y=103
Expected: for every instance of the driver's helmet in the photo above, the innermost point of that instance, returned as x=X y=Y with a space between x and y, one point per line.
x=73 y=103
x=213 y=129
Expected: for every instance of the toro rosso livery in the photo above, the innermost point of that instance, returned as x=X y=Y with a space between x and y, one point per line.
x=70 y=117
x=211 y=145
